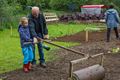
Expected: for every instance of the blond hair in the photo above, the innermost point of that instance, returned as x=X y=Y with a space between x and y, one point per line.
x=22 y=20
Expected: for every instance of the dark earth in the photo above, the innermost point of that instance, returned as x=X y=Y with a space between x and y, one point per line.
x=59 y=69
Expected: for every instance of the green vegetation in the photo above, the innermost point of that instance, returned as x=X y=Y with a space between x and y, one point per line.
x=12 y=10
x=57 y=30
x=115 y=50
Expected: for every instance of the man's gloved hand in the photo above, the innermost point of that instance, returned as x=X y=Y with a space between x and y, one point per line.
x=46 y=36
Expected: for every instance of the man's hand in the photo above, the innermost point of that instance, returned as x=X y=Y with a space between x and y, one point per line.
x=46 y=36
x=39 y=39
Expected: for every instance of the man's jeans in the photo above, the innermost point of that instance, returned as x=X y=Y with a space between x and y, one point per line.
x=40 y=51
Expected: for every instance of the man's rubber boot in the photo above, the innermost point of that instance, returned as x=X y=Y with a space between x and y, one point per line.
x=46 y=47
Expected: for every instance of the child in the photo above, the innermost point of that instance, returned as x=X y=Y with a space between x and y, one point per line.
x=26 y=48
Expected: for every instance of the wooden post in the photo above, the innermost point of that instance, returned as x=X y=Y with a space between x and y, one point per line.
x=11 y=30
x=86 y=36
x=102 y=60
x=71 y=70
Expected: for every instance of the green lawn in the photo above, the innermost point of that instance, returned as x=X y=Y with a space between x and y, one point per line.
x=57 y=30
x=10 y=51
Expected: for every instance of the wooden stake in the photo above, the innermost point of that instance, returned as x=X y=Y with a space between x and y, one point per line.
x=71 y=70
x=86 y=36
x=102 y=60
x=11 y=30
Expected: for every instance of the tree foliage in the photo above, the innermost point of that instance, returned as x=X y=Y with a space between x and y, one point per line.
x=11 y=8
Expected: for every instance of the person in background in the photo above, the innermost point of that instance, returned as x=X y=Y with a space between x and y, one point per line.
x=38 y=30
x=26 y=48
x=112 y=21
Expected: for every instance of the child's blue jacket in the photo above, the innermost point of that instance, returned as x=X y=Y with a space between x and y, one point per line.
x=24 y=35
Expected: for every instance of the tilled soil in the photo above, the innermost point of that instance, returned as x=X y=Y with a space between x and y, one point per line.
x=59 y=69
x=80 y=37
